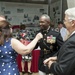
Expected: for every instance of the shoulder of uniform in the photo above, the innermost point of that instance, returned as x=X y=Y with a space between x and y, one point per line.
x=54 y=30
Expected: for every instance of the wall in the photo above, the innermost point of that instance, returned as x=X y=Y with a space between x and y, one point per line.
x=56 y=11
x=71 y=3
x=58 y=7
x=17 y=13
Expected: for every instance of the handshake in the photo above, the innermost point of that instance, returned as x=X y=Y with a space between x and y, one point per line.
x=49 y=61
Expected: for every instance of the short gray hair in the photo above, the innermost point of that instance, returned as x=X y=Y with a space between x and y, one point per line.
x=71 y=13
x=46 y=16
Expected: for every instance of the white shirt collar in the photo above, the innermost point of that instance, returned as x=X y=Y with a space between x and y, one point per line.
x=72 y=33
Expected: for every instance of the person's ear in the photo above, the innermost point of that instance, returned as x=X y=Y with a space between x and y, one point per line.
x=73 y=22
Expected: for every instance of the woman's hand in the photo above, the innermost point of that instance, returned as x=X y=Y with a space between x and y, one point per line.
x=39 y=36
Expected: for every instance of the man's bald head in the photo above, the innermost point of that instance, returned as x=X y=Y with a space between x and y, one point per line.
x=2 y=18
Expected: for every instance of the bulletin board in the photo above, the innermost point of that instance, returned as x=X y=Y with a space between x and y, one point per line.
x=23 y=13
x=18 y=13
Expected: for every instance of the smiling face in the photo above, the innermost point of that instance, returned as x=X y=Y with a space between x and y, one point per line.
x=44 y=23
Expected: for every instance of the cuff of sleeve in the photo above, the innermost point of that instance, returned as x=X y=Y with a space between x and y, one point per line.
x=51 y=69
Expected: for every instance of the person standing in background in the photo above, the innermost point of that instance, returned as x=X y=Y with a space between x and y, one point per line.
x=24 y=38
x=64 y=62
x=64 y=32
x=49 y=44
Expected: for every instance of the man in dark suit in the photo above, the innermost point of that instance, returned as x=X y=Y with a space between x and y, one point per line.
x=50 y=43
x=64 y=62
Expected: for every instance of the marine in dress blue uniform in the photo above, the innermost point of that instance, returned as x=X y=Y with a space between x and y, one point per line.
x=49 y=44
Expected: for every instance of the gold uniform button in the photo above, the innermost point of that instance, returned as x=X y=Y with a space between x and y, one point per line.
x=44 y=39
x=44 y=34
x=44 y=49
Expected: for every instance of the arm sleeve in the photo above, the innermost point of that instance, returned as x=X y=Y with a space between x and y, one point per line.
x=65 y=62
x=59 y=41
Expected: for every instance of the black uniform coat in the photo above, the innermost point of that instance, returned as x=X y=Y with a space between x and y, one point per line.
x=48 y=48
x=65 y=64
